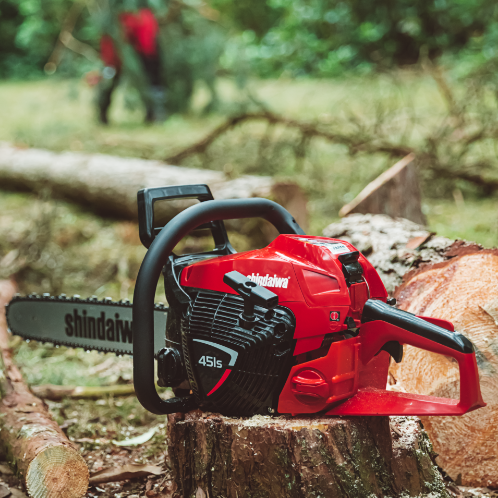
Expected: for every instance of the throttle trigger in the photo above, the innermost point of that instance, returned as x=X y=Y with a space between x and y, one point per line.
x=395 y=349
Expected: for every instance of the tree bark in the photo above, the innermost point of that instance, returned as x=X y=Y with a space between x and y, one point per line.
x=287 y=457
x=453 y=280
x=39 y=452
x=108 y=185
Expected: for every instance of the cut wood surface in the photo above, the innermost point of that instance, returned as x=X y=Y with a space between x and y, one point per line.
x=282 y=457
x=39 y=452
x=396 y=192
x=108 y=185
x=456 y=281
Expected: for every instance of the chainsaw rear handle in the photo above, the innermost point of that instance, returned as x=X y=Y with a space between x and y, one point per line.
x=379 y=310
x=383 y=323
x=150 y=271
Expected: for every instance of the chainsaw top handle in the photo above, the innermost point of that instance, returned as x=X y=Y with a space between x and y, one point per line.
x=150 y=272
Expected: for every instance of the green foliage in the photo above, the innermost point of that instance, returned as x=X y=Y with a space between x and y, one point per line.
x=191 y=48
x=327 y=37
x=303 y=37
x=257 y=16
x=314 y=37
x=191 y=44
x=28 y=33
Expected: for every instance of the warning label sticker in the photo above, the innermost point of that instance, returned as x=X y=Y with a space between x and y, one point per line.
x=333 y=247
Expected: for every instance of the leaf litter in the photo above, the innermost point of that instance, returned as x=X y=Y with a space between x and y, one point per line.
x=124 y=472
x=135 y=441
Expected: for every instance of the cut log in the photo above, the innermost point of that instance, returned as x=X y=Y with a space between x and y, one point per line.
x=212 y=455
x=39 y=452
x=108 y=185
x=452 y=280
x=395 y=192
x=393 y=246
x=464 y=290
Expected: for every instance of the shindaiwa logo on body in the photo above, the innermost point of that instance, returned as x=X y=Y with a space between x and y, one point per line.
x=268 y=281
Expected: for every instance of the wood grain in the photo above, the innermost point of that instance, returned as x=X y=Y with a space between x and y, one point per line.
x=464 y=290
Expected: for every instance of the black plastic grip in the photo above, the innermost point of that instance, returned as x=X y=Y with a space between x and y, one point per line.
x=248 y=289
x=378 y=310
x=147 y=197
x=150 y=271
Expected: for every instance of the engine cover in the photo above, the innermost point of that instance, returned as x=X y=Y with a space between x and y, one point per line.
x=233 y=370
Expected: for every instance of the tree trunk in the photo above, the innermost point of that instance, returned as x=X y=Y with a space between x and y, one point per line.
x=452 y=280
x=39 y=452
x=108 y=185
x=282 y=457
x=396 y=192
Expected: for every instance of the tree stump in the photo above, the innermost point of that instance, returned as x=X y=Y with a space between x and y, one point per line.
x=396 y=192
x=452 y=280
x=213 y=456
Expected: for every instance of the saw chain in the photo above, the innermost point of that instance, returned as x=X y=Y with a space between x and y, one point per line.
x=92 y=324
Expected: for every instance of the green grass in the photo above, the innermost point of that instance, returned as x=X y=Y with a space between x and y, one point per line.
x=60 y=115
x=474 y=220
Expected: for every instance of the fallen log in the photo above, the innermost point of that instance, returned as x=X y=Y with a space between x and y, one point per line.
x=47 y=463
x=58 y=393
x=108 y=185
x=455 y=281
x=286 y=457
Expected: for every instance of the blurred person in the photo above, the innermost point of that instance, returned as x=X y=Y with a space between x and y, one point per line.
x=140 y=29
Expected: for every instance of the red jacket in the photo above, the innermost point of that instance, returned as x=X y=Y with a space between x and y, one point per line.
x=140 y=30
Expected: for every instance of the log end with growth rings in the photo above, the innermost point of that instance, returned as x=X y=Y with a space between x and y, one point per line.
x=57 y=472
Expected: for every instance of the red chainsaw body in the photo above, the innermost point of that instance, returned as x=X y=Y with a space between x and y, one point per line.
x=351 y=377
x=315 y=285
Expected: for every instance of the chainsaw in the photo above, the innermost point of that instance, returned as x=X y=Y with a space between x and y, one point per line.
x=302 y=326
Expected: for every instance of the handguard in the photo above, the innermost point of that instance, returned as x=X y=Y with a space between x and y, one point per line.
x=383 y=325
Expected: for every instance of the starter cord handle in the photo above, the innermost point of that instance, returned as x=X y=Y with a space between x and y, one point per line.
x=150 y=272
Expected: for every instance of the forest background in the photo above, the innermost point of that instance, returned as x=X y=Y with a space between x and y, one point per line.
x=384 y=79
